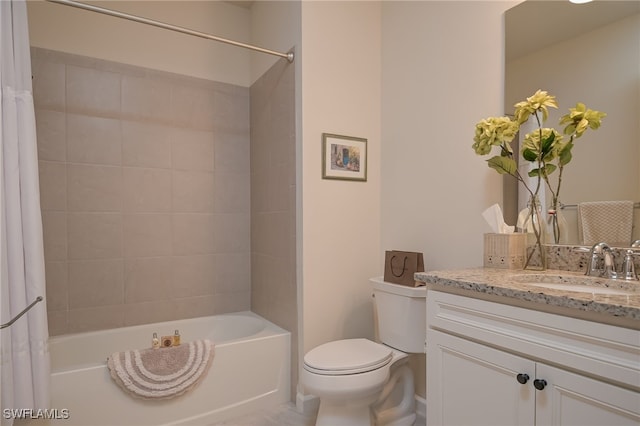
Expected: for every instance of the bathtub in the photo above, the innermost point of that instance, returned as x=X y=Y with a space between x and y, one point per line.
x=250 y=371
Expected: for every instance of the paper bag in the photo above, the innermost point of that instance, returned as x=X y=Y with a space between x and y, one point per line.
x=399 y=267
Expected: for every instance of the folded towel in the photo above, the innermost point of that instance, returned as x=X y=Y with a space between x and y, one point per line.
x=605 y=221
x=161 y=373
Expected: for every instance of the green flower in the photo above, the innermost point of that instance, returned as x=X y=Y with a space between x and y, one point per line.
x=544 y=143
x=494 y=131
x=580 y=118
x=539 y=101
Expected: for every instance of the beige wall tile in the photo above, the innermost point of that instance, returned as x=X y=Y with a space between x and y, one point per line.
x=94 y=235
x=193 y=191
x=51 y=131
x=260 y=188
x=96 y=283
x=56 y=279
x=272 y=151
x=94 y=140
x=147 y=279
x=193 y=233
x=146 y=99
x=193 y=107
x=53 y=185
x=233 y=272
x=98 y=318
x=232 y=233
x=224 y=303
x=192 y=150
x=147 y=235
x=57 y=322
x=232 y=152
x=94 y=188
x=231 y=110
x=135 y=164
x=54 y=232
x=193 y=275
x=192 y=307
x=150 y=312
x=231 y=193
x=280 y=189
x=146 y=145
x=92 y=91
x=147 y=190
x=49 y=85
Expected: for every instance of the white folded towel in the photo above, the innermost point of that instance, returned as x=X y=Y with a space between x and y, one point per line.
x=605 y=221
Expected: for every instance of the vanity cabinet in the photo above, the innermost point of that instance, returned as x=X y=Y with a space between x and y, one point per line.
x=494 y=364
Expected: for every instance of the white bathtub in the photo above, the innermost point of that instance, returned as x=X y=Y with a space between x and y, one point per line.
x=250 y=370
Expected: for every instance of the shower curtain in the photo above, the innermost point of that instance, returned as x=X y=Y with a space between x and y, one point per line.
x=23 y=346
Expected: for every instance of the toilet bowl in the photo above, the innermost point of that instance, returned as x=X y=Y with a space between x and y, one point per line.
x=348 y=376
x=362 y=383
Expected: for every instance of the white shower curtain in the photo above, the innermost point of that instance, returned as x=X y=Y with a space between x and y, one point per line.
x=23 y=346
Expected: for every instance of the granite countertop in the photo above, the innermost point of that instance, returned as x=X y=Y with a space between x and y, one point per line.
x=512 y=283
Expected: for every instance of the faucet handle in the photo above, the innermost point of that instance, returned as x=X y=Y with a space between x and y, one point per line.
x=628 y=268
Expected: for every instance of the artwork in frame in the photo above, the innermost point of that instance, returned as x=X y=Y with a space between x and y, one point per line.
x=344 y=157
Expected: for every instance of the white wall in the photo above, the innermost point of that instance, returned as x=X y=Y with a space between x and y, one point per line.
x=341 y=220
x=442 y=71
x=67 y=29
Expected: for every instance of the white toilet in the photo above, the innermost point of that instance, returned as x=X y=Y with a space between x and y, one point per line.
x=360 y=382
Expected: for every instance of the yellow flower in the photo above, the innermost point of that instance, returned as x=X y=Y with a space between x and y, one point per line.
x=494 y=131
x=580 y=118
x=539 y=142
x=539 y=101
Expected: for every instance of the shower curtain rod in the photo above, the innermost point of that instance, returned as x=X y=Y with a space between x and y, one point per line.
x=288 y=56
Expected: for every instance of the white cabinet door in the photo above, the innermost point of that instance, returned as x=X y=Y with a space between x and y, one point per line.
x=572 y=399
x=473 y=384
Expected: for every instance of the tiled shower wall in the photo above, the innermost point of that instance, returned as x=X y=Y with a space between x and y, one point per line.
x=273 y=202
x=145 y=193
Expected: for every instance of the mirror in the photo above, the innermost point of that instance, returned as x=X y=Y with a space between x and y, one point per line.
x=587 y=53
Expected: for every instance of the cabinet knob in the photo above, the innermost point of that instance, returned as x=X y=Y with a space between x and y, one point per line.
x=539 y=384
x=522 y=378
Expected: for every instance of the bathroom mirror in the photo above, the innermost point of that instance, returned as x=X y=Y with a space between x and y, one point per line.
x=587 y=53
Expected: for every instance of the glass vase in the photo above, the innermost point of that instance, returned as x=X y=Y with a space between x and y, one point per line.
x=557 y=225
x=535 y=226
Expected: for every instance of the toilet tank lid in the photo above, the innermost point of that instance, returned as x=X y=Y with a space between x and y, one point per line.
x=403 y=290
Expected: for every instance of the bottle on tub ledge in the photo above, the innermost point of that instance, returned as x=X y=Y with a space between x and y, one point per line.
x=176 y=338
x=155 y=342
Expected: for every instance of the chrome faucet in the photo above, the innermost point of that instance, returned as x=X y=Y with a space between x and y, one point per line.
x=605 y=267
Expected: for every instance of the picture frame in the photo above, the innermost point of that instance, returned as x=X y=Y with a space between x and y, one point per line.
x=344 y=157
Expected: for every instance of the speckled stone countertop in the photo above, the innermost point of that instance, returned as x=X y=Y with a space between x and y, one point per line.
x=512 y=283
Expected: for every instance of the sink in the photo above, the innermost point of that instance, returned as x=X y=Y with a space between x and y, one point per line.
x=578 y=283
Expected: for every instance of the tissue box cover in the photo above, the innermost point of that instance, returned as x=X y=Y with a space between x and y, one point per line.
x=505 y=251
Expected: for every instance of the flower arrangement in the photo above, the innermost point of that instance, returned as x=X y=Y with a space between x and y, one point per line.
x=545 y=147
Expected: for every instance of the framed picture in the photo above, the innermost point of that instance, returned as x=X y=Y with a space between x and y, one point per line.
x=344 y=157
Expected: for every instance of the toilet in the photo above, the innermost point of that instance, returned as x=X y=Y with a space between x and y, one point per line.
x=361 y=382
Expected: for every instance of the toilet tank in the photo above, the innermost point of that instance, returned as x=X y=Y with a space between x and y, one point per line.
x=401 y=315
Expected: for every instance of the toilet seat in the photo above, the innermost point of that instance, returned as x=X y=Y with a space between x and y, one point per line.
x=348 y=356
